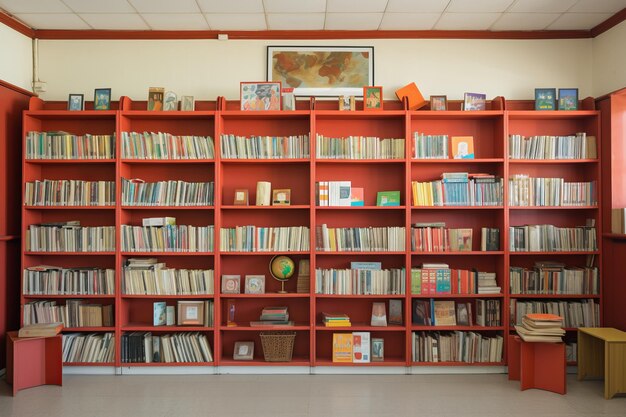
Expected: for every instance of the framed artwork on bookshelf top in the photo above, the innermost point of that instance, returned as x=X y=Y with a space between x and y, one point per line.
x=155 y=98
x=372 y=98
x=474 y=101
x=260 y=96
x=187 y=103
x=568 y=98
x=102 y=99
x=545 y=98
x=76 y=102
x=322 y=70
x=439 y=103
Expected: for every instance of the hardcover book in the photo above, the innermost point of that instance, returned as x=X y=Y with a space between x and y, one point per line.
x=444 y=313
x=159 y=311
x=263 y=193
x=379 y=315
x=356 y=197
x=388 y=198
x=361 y=347
x=413 y=95
x=421 y=313
x=395 y=312
x=462 y=147
x=342 y=347
x=170 y=315
x=474 y=101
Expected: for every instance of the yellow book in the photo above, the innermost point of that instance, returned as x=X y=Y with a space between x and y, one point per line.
x=338 y=323
x=342 y=347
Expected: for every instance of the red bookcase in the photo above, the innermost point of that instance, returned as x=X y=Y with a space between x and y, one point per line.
x=490 y=130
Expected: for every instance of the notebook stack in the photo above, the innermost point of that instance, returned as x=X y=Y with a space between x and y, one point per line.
x=541 y=328
x=273 y=316
x=336 y=320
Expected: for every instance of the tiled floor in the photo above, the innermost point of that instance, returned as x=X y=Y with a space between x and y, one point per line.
x=305 y=395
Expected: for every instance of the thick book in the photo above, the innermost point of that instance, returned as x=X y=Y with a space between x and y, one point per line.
x=444 y=313
x=40 y=330
x=342 y=347
x=413 y=95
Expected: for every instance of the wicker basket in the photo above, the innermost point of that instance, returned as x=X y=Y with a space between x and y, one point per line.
x=277 y=346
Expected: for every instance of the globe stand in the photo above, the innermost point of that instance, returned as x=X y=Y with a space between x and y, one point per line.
x=282 y=290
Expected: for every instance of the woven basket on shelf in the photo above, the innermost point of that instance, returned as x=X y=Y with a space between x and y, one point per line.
x=277 y=345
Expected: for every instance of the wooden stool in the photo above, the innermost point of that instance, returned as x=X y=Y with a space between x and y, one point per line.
x=537 y=365
x=34 y=361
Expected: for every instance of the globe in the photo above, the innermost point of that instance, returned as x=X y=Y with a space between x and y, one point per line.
x=282 y=268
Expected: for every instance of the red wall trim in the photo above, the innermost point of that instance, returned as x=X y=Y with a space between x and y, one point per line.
x=16 y=89
x=612 y=21
x=311 y=34
x=16 y=25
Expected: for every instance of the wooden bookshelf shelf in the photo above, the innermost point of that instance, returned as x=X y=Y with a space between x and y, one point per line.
x=88 y=363
x=614 y=236
x=313 y=344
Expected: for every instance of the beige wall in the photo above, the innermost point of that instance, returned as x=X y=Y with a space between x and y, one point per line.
x=208 y=68
x=609 y=60
x=16 y=60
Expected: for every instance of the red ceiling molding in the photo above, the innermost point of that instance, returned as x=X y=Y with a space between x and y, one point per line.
x=16 y=25
x=612 y=21
x=310 y=34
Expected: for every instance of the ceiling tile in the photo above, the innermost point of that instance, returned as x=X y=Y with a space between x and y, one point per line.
x=542 y=6
x=478 y=6
x=291 y=6
x=99 y=6
x=53 y=21
x=409 y=21
x=295 y=21
x=34 y=6
x=353 y=21
x=165 y=6
x=466 y=21
x=239 y=6
x=595 y=6
x=525 y=21
x=579 y=21
x=422 y=6
x=236 y=21
x=110 y=21
x=352 y=6
x=176 y=21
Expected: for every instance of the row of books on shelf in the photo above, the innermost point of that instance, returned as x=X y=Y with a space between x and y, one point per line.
x=69 y=236
x=57 y=280
x=137 y=192
x=578 y=146
x=151 y=145
x=184 y=347
x=75 y=313
x=431 y=312
x=264 y=239
x=88 y=347
x=63 y=145
x=438 y=278
x=442 y=146
x=69 y=193
x=580 y=313
x=358 y=147
x=459 y=189
x=167 y=238
x=265 y=147
x=550 y=238
x=147 y=276
x=363 y=278
x=457 y=346
x=359 y=239
x=343 y=194
x=185 y=313
x=435 y=237
x=554 y=278
x=357 y=347
x=525 y=191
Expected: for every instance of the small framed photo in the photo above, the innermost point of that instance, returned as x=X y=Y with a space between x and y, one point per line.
x=187 y=103
x=102 y=99
x=346 y=103
x=231 y=284
x=372 y=98
x=378 y=349
x=545 y=98
x=76 y=102
x=281 y=197
x=170 y=101
x=259 y=96
x=241 y=197
x=244 y=351
x=155 y=98
x=474 y=101
x=191 y=313
x=255 y=284
x=568 y=98
x=439 y=103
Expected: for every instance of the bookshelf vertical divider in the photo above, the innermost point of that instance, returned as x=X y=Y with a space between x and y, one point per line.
x=490 y=130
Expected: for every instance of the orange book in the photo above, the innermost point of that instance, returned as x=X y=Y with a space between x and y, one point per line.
x=462 y=147
x=544 y=317
x=413 y=94
x=342 y=347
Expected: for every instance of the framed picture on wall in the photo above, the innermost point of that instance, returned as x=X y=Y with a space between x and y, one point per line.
x=329 y=71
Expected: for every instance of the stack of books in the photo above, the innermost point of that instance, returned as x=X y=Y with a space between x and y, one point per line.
x=273 y=316
x=541 y=328
x=304 y=277
x=336 y=320
x=40 y=330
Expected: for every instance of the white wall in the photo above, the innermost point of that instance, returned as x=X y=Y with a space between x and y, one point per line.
x=609 y=60
x=16 y=60
x=208 y=68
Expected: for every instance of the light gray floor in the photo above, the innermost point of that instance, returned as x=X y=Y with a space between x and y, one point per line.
x=305 y=395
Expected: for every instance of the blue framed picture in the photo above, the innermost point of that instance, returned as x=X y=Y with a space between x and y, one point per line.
x=568 y=98
x=545 y=98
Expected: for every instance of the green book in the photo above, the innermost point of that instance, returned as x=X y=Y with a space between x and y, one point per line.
x=388 y=198
x=416 y=281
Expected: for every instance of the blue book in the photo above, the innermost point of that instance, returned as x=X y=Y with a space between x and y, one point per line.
x=160 y=308
x=366 y=265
